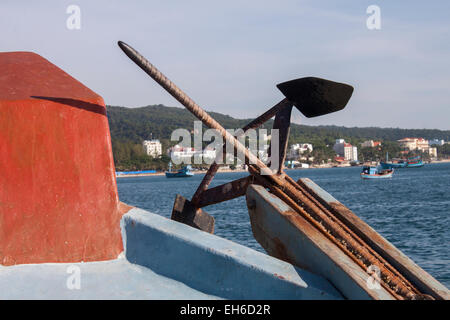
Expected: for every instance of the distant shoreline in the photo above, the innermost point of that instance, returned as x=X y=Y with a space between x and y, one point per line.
x=163 y=173
x=242 y=170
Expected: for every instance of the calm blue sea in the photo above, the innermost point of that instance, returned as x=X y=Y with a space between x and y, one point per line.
x=411 y=210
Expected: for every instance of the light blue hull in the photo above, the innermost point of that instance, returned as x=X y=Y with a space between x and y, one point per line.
x=376 y=176
x=415 y=165
x=164 y=259
x=390 y=165
x=179 y=174
x=182 y=173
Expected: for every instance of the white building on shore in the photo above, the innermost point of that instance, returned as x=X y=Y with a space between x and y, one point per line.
x=414 y=144
x=418 y=144
x=152 y=147
x=346 y=150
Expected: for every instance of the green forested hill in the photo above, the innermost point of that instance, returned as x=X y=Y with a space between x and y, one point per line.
x=130 y=126
x=136 y=124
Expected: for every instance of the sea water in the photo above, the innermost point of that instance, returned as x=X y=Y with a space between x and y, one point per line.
x=411 y=210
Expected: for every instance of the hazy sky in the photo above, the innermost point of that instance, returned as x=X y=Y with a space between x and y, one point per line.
x=229 y=55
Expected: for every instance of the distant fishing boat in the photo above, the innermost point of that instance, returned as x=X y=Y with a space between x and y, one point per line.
x=413 y=162
x=182 y=173
x=394 y=164
x=369 y=172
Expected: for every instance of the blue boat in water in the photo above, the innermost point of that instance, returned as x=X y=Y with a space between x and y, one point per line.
x=394 y=164
x=182 y=173
x=369 y=172
x=414 y=162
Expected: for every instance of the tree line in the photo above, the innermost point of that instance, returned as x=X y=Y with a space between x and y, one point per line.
x=130 y=126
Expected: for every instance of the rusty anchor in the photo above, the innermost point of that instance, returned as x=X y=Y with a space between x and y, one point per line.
x=313 y=97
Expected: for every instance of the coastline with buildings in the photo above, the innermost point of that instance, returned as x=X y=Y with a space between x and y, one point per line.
x=298 y=156
x=224 y=170
x=309 y=146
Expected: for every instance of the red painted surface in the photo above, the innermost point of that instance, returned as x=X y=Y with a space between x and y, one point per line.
x=58 y=193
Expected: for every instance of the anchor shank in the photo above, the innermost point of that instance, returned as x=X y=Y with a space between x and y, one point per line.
x=256 y=123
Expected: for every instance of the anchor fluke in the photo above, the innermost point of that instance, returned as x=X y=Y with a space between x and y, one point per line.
x=315 y=96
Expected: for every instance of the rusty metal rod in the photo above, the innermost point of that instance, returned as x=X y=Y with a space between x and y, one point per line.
x=337 y=235
x=193 y=107
x=256 y=123
x=206 y=181
x=319 y=225
x=357 y=252
x=383 y=261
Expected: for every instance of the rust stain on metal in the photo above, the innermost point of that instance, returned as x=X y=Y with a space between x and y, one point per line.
x=335 y=233
x=279 y=250
x=392 y=255
x=407 y=270
x=279 y=276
